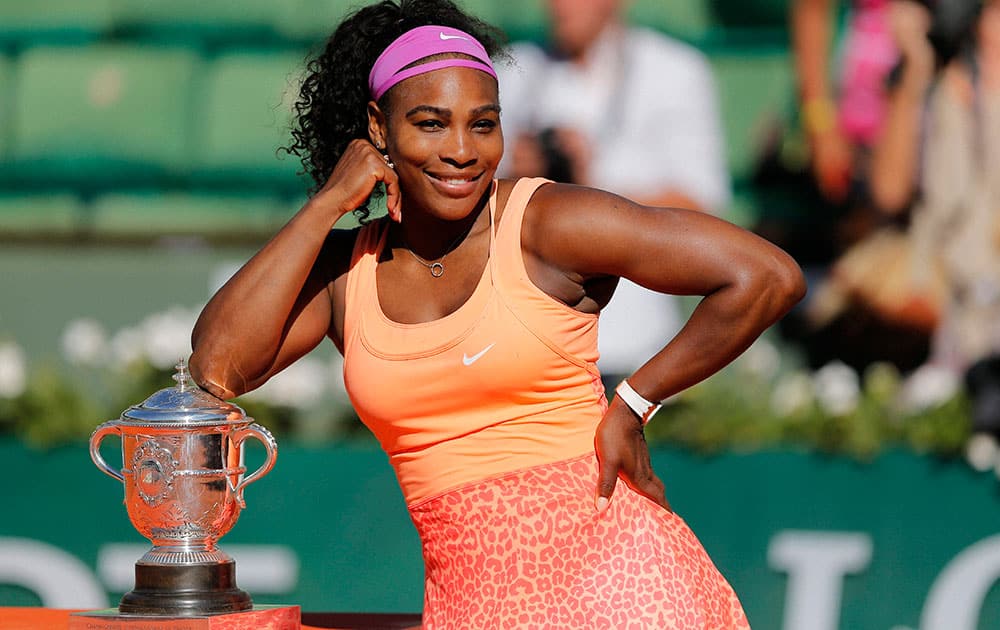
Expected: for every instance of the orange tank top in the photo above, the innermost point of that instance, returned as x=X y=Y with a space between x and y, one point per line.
x=506 y=382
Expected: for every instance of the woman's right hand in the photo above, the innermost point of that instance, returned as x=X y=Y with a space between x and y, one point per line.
x=359 y=170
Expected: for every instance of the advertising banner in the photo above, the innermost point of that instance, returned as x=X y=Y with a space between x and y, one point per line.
x=809 y=542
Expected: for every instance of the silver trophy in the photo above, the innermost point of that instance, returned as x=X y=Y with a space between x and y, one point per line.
x=182 y=467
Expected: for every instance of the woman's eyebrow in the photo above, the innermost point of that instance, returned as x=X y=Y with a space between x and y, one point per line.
x=429 y=109
x=446 y=113
x=492 y=107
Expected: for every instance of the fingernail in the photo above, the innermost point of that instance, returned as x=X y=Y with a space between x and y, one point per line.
x=602 y=503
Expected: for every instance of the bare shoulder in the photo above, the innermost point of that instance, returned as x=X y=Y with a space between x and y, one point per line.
x=555 y=207
x=569 y=225
x=591 y=233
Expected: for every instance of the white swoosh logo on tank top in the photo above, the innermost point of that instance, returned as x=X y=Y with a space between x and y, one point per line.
x=467 y=360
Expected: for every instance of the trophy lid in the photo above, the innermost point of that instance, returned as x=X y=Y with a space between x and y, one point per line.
x=185 y=404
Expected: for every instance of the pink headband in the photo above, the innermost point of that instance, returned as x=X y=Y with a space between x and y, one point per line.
x=420 y=43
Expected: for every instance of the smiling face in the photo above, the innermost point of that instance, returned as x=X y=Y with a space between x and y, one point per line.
x=442 y=132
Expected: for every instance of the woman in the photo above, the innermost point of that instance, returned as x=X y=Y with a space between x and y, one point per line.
x=468 y=322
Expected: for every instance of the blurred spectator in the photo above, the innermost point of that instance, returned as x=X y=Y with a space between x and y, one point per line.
x=822 y=205
x=938 y=158
x=841 y=118
x=626 y=109
x=854 y=314
x=933 y=167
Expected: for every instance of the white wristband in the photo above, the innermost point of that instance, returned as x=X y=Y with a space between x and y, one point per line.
x=639 y=405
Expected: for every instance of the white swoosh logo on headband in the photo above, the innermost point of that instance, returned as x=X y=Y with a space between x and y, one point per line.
x=446 y=37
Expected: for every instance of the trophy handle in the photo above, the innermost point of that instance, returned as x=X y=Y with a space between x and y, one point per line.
x=255 y=431
x=96 y=438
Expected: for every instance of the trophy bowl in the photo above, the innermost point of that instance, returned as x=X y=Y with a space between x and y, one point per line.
x=183 y=472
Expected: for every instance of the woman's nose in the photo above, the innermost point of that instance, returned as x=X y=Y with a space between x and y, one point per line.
x=460 y=149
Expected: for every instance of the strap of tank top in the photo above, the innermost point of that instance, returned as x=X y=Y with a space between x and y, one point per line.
x=510 y=228
x=519 y=197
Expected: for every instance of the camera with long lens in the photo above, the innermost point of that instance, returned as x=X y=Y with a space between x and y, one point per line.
x=953 y=26
x=558 y=167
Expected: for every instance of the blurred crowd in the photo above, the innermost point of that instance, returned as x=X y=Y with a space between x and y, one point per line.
x=875 y=176
x=902 y=128
x=893 y=212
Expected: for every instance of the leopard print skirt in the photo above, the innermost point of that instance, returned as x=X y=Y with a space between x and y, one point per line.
x=528 y=550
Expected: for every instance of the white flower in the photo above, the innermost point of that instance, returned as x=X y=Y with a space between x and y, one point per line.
x=13 y=370
x=85 y=342
x=762 y=360
x=981 y=452
x=792 y=394
x=301 y=385
x=167 y=336
x=838 y=388
x=928 y=386
x=126 y=347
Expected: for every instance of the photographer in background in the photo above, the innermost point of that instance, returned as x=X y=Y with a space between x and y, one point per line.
x=625 y=109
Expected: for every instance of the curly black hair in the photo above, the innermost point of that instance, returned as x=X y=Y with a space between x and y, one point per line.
x=332 y=106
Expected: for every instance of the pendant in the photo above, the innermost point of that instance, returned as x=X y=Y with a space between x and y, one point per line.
x=437 y=269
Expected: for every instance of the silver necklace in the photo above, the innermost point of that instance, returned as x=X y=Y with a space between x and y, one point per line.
x=437 y=266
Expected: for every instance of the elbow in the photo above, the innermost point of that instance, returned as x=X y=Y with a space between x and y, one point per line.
x=783 y=285
x=213 y=375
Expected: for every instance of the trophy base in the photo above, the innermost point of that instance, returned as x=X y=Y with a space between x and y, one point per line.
x=271 y=617
x=181 y=591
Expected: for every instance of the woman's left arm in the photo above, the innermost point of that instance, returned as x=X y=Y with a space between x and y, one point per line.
x=747 y=284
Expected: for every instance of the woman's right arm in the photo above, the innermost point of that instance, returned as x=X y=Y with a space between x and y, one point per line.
x=278 y=306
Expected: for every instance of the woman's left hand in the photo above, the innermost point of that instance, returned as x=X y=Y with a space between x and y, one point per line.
x=622 y=452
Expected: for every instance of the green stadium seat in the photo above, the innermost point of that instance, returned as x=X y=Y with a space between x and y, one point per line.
x=749 y=23
x=244 y=116
x=102 y=114
x=196 y=21
x=490 y=11
x=750 y=13
x=154 y=215
x=743 y=209
x=35 y=22
x=689 y=20
x=756 y=87
x=523 y=19
x=310 y=20
x=6 y=88
x=47 y=215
